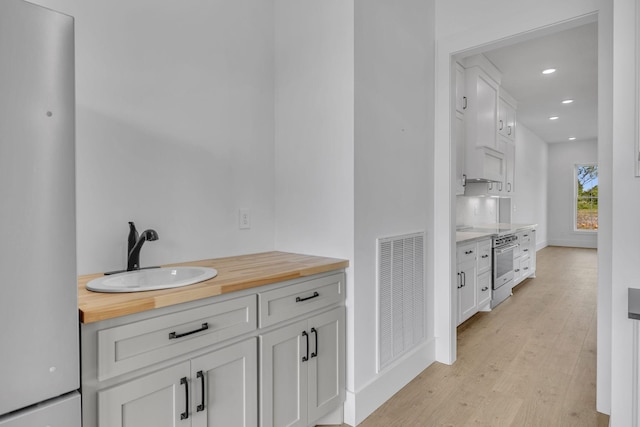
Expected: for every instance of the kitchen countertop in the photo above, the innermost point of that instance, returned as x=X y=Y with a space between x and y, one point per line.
x=234 y=274
x=483 y=231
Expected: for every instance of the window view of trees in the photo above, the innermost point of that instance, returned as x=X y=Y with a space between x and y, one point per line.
x=587 y=197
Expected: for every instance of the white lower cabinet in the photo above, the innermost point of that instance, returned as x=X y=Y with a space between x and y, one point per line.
x=467 y=291
x=232 y=360
x=302 y=370
x=473 y=262
x=524 y=257
x=214 y=389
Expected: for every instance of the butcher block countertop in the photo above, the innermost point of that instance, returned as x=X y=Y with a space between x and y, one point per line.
x=234 y=274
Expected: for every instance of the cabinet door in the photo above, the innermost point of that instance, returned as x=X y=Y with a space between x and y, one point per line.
x=467 y=291
x=154 y=400
x=486 y=93
x=460 y=154
x=517 y=270
x=461 y=98
x=326 y=363
x=283 y=376
x=225 y=386
x=510 y=163
x=502 y=118
x=484 y=289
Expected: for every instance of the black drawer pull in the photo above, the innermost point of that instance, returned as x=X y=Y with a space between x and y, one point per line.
x=314 y=331
x=485 y=289
x=200 y=375
x=485 y=256
x=174 y=335
x=304 y=334
x=185 y=414
x=468 y=252
x=315 y=295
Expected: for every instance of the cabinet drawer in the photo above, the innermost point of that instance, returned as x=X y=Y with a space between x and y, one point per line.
x=125 y=348
x=484 y=256
x=466 y=253
x=291 y=301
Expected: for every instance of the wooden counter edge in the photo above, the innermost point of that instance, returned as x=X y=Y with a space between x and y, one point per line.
x=103 y=306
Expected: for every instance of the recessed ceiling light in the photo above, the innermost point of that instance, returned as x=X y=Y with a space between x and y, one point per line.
x=549 y=71
x=554 y=118
x=567 y=101
x=572 y=138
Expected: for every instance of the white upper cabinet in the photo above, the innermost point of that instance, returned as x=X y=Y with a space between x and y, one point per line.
x=461 y=96
x=481 y=115
x=484 y=159
x=507 y=116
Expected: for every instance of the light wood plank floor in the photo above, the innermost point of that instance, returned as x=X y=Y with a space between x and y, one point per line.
x=529 y=362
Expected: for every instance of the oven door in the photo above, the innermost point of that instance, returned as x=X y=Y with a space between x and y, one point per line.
x=503 y=265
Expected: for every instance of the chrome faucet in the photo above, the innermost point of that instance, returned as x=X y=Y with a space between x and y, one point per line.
x=135 y=243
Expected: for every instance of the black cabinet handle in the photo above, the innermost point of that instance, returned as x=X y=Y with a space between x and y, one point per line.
x=306 y=335
x=485 y=289
x=468 y=252
x=315 y=333
x=459 y=281
x=315 y=295
x=185 y=414
x=526 y=250
x=200 y=375
x=464 y=102
x=174 y=335
x=464 y=278
x=464 y=180
x=485 y=256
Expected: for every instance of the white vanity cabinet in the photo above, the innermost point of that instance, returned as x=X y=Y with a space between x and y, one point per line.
x=209 y=362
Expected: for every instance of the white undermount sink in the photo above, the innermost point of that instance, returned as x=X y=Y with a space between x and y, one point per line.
x=152 y=279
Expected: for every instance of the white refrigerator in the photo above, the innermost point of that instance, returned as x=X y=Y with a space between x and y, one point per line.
x=39 y=351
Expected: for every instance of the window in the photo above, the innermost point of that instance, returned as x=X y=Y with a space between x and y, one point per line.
x=586 y=202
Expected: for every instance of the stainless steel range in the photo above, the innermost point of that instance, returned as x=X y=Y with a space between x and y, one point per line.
x=503 y=247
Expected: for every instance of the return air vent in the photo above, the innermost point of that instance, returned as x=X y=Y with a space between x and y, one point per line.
x=401 y=314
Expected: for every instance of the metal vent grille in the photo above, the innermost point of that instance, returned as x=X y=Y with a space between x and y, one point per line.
x=400 y=296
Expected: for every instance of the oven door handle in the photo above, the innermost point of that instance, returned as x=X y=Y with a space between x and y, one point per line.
x=500 y=251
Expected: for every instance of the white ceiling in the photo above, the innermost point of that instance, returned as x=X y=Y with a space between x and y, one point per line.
x=574 y=54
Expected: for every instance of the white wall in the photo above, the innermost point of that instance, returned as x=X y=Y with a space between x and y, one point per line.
x=175 y=127
x=471 y=26
x=394 y=50
x=625 y=202
x=529 y=205
x=314 y=162
x=563 y=158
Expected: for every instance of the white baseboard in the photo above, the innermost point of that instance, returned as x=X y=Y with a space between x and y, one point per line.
x=541 y=245
x=362 y=403
x=573 y=243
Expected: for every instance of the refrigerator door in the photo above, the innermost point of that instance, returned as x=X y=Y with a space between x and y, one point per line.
x=38 y=292
x=60 y=412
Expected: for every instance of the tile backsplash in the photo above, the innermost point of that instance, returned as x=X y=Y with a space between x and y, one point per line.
x=476 y=210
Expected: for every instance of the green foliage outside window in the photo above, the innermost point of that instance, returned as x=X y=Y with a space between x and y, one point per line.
x=587 y=197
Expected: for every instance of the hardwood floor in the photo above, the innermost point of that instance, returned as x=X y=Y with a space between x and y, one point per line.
x=529 y=362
